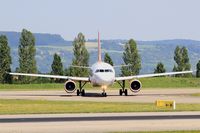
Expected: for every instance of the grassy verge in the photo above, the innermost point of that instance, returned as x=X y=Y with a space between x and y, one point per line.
x=196 y=94
x=158 y=82
x=46 y=86
x=44 y=106
x=170 y=82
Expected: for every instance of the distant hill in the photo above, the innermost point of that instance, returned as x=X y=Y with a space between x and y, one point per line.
x=172 y=42
x=41 y=38
x=151 y=52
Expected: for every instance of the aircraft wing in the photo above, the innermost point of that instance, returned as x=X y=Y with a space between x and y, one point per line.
x=151 y=75
x=52 y=76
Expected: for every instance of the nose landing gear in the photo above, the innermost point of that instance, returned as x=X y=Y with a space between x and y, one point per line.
x=104 y=94
x=104 y=91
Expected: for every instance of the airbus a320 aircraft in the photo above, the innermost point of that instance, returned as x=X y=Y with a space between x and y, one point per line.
x=101 y=74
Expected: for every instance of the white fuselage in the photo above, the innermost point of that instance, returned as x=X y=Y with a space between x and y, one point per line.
x=102 y=74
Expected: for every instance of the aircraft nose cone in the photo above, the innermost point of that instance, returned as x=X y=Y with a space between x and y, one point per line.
x=106 y=79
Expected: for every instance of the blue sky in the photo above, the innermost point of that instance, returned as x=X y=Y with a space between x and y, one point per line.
x=115 y=19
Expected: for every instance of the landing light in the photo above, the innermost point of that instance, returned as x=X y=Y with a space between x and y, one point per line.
x=104 y=87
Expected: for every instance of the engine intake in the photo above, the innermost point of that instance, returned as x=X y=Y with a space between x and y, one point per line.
x=135 y=86
x=70 y=86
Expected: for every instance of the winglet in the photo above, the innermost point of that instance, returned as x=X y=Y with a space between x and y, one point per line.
x=99 y=48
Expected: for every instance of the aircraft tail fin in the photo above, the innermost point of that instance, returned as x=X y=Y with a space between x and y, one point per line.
x=99 y=48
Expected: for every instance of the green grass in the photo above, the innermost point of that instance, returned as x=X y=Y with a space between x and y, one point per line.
x=196 y=94
x=158 y=82
x=44 y=106
x=170 y=82
x=46 y=86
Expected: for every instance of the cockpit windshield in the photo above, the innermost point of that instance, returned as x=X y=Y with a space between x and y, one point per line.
x=103 y=70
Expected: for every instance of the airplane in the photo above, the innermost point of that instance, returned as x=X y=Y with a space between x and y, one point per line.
x=101 y=74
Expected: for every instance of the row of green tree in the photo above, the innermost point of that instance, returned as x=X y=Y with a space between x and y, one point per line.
x=27 y=61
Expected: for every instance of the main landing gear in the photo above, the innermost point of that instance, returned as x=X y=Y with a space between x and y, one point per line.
x=81 y=91
x=123 y=90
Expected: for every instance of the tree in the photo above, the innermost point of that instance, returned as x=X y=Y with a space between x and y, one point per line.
x=160 y=68
x=57 y=66
x=67 y=71
x=108 y=59
x=131 y=58
x=81 y=57
x=182 y=60
x=185 y=59
x=198 y=70
x=27 y=51
x=5 y=60
x=177 y=58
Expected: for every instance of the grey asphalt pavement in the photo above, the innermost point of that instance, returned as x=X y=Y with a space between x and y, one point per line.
x=100 y=122
x=144 y=96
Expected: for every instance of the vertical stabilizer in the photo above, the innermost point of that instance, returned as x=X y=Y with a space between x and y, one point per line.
x=99 y=48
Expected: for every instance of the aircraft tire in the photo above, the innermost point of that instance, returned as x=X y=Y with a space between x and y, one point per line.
x=120 y=92
x=78 y=92
x=126 y=92
x=83 y=92
x=104 y=94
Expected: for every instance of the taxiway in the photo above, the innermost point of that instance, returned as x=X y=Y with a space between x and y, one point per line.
x=144 y=96
x=103 y=122
x=100 y=122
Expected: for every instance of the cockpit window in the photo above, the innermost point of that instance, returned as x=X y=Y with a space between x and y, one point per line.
x=97 y=71
x=107 y=70
x=103 y=70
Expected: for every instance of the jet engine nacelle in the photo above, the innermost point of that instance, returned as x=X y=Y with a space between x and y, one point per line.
x=135 y=86
x=70 y=86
